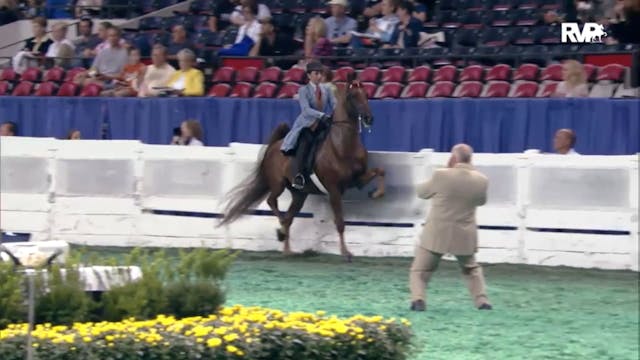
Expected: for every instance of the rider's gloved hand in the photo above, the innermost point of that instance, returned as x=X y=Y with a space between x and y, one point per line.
x=325 y=120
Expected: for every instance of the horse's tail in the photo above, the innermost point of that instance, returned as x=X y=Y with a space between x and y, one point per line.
x=254 y=188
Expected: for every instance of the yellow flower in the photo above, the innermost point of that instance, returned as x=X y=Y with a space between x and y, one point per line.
x=214 y=342
x=232 y=349
x=86 y=339
x=230 y=337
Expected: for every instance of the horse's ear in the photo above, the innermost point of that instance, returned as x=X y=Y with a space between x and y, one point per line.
x=351 y=77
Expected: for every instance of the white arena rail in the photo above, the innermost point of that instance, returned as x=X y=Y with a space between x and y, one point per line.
x=579 y=211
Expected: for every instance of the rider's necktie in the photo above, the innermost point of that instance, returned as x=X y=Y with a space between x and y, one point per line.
x=318 y=97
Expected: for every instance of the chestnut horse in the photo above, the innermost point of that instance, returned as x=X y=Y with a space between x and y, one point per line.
x=340 y=163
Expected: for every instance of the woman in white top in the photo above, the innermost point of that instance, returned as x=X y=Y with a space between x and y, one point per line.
x=251 y=28
x=238 y=18
x=575 y=81
x=190 y=134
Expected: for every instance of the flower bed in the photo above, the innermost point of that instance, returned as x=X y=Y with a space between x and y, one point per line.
x=234 y=333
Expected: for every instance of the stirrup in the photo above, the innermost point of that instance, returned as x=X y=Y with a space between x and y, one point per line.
x=298 y=185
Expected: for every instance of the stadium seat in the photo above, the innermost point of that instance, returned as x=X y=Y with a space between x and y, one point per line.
x=220 y=90
x=5 y=87
x=468 y=89
x=68 y=89
x=24 y=88
x=295 y=74
x=590 y=71
x=241 y=90
x=502 y=18
x=497 y=89
x=527 y=72
x=472 y=73
x=552 y=72
x=496 y=37
x=421 y=73
x=370 y=74
x=32 y=74
x=500 y=72
x=603 y=90
x=527 y=17
x=342 y=73
x=8 y=74
x=55 y=74
x=471 y=5
x=393 y=74
x=502 y=5
x=91 y=90
x=473 y=20
x=370 y=88
x=271 y=74
x=415 y=90
x=71 y=74
x=248 y=74
x=549 y=35
x=610 y=72
x=524 y=89
x=151 y=23
x=528 y=4
x=450 y=19
x=547 y=89
x=224 y=75
x=549 y=4
x=47 y=88
x=441 y=89
x=390 y=90
x=288 y=90
x=445 y=73
x=265 y=90
x=525 y=35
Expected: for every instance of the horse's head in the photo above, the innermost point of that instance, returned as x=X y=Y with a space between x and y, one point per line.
x=357 y=102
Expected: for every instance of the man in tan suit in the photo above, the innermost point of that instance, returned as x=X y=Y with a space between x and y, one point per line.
x=455 y=193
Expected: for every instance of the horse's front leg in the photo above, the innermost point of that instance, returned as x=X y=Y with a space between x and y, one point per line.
x=369 y=175
x=335 y=199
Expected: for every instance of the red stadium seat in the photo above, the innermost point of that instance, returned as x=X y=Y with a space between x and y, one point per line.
x=9 y=75
x=223 y=75
x=611 y=72
x=71 y=74
x=547 y=89
x=445 y=73
x=271 y=74
x=68 y=89
x=497 y=89
x=5 y=86
x=472 y=73
x=248 y=74
x=220 y=90
x=91 y=90
x=55 y=74
x=421 y=73
x=370 y=88
x=241 y=90
x=389 y=90
x=342 y=73
x=552 y=72
x=415 y=90
x=393 y=74
x=441 y=89
x=501 y=72
x=524 y=89
x=528 y=72
x=468 y=89
x=590 y=70
x=288 y=90
x=31 y=74
x=295 y=74
x=46 y=89
x=265 y=90
x=24 y=88
x=370 y=74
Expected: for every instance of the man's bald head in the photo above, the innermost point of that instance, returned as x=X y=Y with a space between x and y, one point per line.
x=564 y=140
x=462 y=153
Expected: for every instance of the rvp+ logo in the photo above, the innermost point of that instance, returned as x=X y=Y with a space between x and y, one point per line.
x=591 y=33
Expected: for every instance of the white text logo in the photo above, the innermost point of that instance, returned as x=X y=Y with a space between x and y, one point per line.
x=591 y=33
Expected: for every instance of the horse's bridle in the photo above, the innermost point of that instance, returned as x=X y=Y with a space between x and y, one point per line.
x=359 y=116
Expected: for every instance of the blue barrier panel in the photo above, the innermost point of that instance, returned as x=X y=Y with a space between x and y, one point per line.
x=603 y=126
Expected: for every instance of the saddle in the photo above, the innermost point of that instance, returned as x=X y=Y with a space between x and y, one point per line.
x=313 y=141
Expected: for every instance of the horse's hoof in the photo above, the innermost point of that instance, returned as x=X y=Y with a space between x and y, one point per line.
x=281 y=235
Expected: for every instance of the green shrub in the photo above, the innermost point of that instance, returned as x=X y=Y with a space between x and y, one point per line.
x=12 y=307
x=61 y=298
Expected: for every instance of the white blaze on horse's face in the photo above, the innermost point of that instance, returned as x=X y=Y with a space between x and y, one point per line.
x=361 y=104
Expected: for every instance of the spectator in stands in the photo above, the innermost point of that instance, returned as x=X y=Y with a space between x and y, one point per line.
x=103 y=34
x=157 y=74
x=127 y=83
x=275 y=43
x=574 y=82
x=8 y=12
x=62 y=49
x=339 y=25
x=9 y=128
x=188 y=81
x=74 y=134
x=248 y=38
x=407 y=30
x=564 y=142
x=419 y=11
x=625 y=25
x=327 y=80
x=380 y=29
x=86 y=40
x=179 y=41
x=316 y=42
x=34 y=9
x=190 y=134
x=221 y=14
x=88 y=7
x=108 y=64
x=35 y=47
x=237 y=16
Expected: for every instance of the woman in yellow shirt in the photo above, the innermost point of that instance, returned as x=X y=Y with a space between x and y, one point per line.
x=188 y=81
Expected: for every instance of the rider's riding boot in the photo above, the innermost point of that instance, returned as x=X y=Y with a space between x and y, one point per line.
x=303 y=148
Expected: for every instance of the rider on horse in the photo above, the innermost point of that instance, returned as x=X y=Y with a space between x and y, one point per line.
x=317 y=103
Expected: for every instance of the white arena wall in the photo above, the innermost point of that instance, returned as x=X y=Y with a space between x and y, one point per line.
x=579 y=211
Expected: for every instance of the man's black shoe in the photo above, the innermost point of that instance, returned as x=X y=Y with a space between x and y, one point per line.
x=418 y=305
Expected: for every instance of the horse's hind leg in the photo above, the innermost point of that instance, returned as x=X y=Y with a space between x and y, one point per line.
x=335 y=199
x=272 y=201
x=297 y=201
